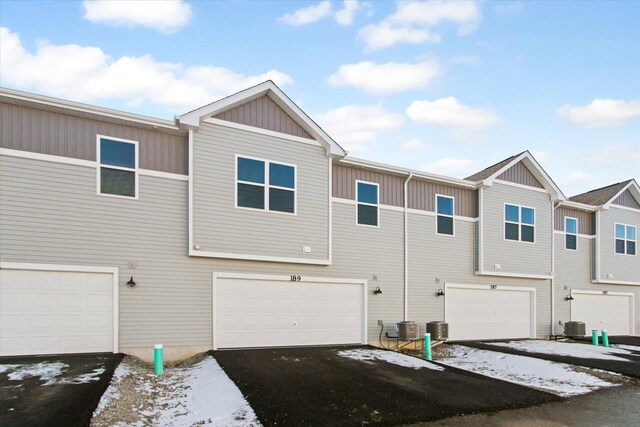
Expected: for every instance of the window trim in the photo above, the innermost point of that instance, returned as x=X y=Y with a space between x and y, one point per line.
x=566 y=233
x=377 y=185
x=625 y=240
x=99 y=166
x=452 y=216
x=519 y=223
x=266 y=186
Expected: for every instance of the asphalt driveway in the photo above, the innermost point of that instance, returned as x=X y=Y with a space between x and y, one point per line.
x=53 y=390
x=319 y=387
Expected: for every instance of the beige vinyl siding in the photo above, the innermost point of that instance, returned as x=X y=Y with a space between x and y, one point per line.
x=266 y=114
x=622 y=267
x=627 y=199
x=172 y=302
x=520 y=174
x=217 y=223
x=47 y=132
x=514 y=256
x=437 y=260
x=422 y=196
x=344 y=184
x=585 y=220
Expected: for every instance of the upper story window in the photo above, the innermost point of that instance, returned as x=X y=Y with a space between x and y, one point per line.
x=444 y=211
x=570 y=233
x=265 y=185
x=117 y=167
x=625 y=239
x=367 y=199
x=519 y=223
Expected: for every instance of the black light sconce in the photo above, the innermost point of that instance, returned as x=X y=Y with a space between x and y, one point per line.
x=377 y=290
x=131 y=283
x=440 y=293
x=568 y=298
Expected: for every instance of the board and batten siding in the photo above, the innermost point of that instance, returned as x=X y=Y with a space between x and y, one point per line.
x=422 y=196
x=218 y=224
x=435 y=260
x=515 y=256
x=171 y=303
x=344 y=184
x=520 y=174
x=266 y=114
x=585 y=220
x=627 y=199
x=622 y=267
x=59 y=134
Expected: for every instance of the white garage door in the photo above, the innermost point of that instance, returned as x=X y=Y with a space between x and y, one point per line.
x=489 y=312
x=612 y=312
x=55 y=312
x=252 y=311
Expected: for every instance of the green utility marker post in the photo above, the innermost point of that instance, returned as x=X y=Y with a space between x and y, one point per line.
x=594 y=336
x=157 y=359
x=427 y=345
x=605 y=338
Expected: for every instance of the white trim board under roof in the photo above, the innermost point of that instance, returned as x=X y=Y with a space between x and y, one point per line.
x=534 y=167
x=195 y=117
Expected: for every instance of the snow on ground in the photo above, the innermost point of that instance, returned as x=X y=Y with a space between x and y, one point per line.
x=48 y=372
x=627 y=347
x=389 y=357
x=554 y=377
x=199 y=394
x=585 y=351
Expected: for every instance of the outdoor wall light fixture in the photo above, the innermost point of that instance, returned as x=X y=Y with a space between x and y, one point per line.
x=377 y=290
x=440 y=293
x=131 y=283
x=568 y=298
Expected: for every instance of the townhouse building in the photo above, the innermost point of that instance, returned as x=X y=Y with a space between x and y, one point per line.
x=243 y=224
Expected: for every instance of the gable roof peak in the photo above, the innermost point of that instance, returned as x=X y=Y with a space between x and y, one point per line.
x=603 y=195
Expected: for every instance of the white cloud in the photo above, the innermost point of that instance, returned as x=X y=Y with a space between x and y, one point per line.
x=615 y=156
x=352 y=126
x=601 y=113
x=413 y=145
x=459 y=168
x=164 y=15
x=308 y=15
x=449 y=113
x=415 y=22
x=345 y=15
x=384 y=79
x=541 y=156
x=85 y=73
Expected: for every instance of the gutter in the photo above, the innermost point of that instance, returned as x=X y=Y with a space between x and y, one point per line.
x=553 y=266
x=406 y=246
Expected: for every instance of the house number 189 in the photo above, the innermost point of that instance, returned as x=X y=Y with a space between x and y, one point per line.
x=296 y=278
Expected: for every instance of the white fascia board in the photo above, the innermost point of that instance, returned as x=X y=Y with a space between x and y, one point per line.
x=516 y=275
x=248 y=257
x=615 y=282
x=577 y=205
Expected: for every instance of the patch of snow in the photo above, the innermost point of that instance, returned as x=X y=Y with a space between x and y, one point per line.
x=389 y=357
x=627 y=347
x=80 y=379
x=584 y=351
x=46 y=371
x=558 y=378
x=112 y=393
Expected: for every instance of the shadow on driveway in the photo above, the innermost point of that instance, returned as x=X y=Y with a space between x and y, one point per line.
x=53 y=390
x=317 y=387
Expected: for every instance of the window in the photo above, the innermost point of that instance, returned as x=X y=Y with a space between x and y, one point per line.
x=625 y=239
x=519 y=223
x=570 y=233
x=265 y=185
x=367 y=200
x=117 y=167
x=444 y=210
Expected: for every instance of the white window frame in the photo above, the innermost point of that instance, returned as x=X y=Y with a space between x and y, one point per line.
x=266 y=186
x=452 y=216
x=625 y=240
x=519 y=223
x=99 y=166
x=377 y=206
x=566 y=233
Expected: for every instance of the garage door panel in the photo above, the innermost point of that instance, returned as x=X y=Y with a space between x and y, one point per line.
x=612 y=313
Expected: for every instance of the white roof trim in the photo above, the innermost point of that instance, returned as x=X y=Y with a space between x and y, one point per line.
x=578 y=205
x=195 y=117
x=633 y=185
x=537 y=171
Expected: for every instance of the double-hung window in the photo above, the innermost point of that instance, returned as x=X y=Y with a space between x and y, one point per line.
x=570 y=233
x=444 y=211
x=519 y=223
x=117 y=166
x=626 y=238
x=265 y=185
x=367 y=200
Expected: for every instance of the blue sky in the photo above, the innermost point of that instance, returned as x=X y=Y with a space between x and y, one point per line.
x=439 y=86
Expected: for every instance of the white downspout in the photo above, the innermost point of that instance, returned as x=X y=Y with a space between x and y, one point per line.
x=406 y=246
x=553 y=267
